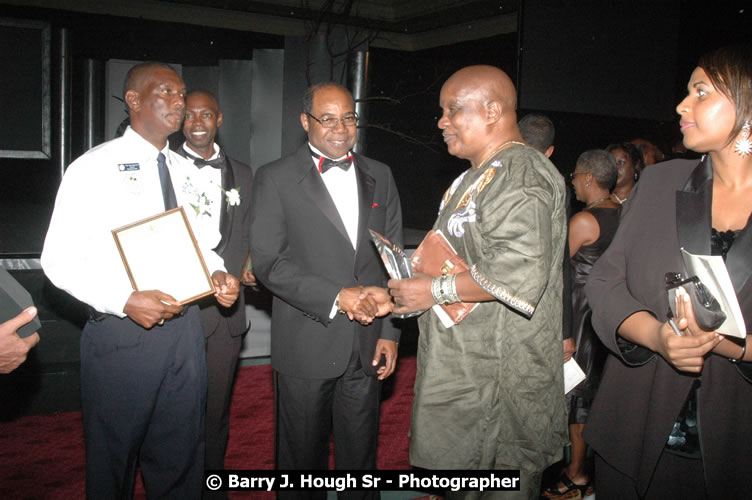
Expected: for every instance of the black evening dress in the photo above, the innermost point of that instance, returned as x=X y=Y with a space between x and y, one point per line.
x=590 y=354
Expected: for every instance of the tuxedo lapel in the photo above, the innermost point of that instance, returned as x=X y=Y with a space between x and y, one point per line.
x=693 y=210
x=227 y=212
x=694 y=222
x=312 y=184
x=366 y=188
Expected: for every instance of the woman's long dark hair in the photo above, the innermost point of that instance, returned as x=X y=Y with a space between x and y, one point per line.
x=730 y=71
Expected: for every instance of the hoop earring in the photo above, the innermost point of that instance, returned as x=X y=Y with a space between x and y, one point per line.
x=743 y=145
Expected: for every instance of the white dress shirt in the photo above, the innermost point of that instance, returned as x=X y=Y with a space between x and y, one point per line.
x=111 y=185
x=343 y=188
x=206 y=198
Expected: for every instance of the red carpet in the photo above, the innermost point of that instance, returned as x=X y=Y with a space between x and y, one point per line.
x=42 y=457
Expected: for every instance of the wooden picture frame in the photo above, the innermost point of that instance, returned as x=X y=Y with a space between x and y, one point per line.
x=161 y=253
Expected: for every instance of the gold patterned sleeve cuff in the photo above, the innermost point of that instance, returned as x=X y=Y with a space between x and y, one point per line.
x=502 y=294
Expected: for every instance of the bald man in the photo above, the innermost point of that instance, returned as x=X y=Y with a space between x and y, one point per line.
x=143 y=372
x=489 y=391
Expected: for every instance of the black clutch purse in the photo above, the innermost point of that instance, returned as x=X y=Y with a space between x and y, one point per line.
x=708 y=313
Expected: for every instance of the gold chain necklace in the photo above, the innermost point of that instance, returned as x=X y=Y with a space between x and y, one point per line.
x=481 y=182
x=497 y=151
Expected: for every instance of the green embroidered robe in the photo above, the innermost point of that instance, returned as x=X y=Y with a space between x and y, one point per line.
x=489 y=391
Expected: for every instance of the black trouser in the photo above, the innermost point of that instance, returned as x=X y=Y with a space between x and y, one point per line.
x=222 y=352
x=308 y=409
x=143 y=397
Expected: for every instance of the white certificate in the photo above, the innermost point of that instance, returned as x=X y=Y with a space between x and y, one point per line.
x=161 y=253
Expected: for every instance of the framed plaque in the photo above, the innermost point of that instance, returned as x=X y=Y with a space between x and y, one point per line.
x=161 y=253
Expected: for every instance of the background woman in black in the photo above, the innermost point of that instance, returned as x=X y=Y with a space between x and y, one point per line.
x=630 y=163
x=590 y=232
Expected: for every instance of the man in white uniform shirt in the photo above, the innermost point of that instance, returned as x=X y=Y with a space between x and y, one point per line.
x=223 y=197
x=143 y=377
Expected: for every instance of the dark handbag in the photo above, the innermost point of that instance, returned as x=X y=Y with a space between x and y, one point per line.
x=708 y=313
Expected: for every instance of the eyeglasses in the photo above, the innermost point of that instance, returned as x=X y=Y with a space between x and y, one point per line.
x=572 y=175
x=330 y=122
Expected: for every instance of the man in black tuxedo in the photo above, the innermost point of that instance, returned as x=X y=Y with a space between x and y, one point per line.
x=310 y=216
x=224 y=202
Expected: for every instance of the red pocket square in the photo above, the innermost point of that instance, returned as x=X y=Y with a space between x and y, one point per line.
x=374 y=205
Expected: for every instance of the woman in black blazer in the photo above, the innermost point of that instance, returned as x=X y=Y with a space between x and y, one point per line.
x=670 y=417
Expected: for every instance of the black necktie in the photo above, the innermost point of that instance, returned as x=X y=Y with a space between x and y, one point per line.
x=325 y=163
x=168 y=193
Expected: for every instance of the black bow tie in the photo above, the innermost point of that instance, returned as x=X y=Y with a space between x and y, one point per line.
x=217 y=162
x=325 y=163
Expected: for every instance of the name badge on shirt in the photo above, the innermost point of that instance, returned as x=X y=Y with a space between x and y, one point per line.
x=128 y=167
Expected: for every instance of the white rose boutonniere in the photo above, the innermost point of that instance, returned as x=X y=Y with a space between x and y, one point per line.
x=232 y=197
x=199 y=201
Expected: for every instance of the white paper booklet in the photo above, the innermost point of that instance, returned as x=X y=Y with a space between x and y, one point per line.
x=573 y=375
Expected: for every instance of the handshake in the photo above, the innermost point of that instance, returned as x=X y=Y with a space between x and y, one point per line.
x=364 y=303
